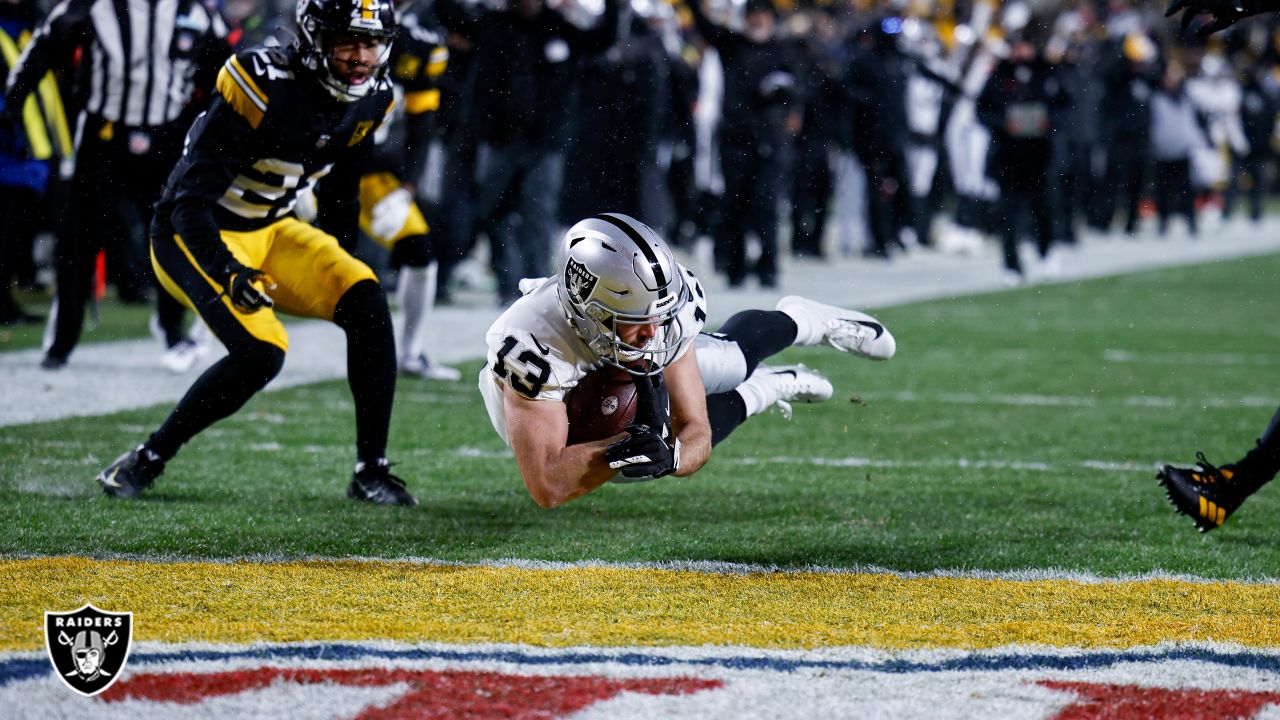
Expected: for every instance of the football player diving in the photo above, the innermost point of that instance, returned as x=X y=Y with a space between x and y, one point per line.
x=621 y=299
x=225 y=241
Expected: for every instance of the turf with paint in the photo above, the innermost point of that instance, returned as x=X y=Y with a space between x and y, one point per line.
x=1014 y=430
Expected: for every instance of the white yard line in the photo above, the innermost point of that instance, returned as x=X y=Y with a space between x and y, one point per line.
x=697 y=566
x=108 y=377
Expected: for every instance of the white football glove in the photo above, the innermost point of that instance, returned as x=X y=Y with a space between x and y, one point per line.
x=390 y=214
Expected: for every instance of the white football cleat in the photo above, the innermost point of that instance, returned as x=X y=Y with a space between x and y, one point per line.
x=183 y=356
x=423 y=368
x=845 y=330
x=786 y=384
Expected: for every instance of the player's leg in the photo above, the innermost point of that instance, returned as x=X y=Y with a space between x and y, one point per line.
x=846 y=330
x=739 y=386
x=1209 y=494
x=256 y=345
x=417 y=288
x=390 y=217
x=316 y=278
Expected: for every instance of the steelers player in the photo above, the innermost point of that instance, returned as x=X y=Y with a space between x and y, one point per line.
x=389 y=214
x=225 y=241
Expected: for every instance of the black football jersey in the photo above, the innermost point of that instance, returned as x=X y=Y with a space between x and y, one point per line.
x=270 y=134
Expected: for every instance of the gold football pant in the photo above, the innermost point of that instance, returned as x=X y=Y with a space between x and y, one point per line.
x=310 y=270
x=373 y=188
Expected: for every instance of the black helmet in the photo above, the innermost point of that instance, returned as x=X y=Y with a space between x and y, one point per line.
x=320 y=20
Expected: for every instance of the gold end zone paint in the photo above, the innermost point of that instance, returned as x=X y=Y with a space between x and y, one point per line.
x=612 y=606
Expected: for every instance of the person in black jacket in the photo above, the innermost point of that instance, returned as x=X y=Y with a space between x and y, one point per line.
x=525 y=70
x=1258 y=116
x=1019 y=104
x=761 y=110
x=876 y=92
x=138 y=93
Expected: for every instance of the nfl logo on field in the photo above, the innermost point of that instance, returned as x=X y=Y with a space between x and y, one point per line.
x=88 y=647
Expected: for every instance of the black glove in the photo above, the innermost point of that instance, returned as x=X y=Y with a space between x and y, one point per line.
x=643 y=454
x=653 y=404
x=1225 y=13
x=247 y=289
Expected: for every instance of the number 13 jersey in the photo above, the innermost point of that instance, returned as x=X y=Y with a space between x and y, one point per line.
x=533 y=349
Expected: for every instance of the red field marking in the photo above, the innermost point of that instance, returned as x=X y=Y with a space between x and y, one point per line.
x=1134 y=702
x=432 y=694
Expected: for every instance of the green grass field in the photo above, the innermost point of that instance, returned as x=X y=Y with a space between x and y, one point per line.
x=1013 y=430
x=119 y=321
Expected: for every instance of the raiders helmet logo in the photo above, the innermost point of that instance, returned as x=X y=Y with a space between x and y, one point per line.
x=579 y=280
x=88 y=647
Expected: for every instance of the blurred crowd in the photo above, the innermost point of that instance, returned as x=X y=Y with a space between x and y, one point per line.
x=755 y=127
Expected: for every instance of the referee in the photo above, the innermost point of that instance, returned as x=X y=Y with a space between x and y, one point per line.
x=141 y=63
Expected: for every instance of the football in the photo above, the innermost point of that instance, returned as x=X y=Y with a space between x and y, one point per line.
x=601 y=405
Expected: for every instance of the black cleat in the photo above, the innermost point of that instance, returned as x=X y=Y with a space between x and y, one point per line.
x=1206 y=494
x=373 y=482
x=131 y=473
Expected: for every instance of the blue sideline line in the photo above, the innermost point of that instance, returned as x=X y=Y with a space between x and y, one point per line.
x=18 y=669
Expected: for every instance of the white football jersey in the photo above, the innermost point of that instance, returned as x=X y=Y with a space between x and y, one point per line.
x=533 y=349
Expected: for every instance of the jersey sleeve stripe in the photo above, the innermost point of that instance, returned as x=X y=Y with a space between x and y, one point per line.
x=438 y=61
x=246 y=81
x=417 y=103
x=239 y=94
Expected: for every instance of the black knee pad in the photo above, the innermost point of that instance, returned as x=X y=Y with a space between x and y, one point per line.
x=413 y=251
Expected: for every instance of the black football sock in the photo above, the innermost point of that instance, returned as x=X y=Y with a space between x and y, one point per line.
x=1263 y=461
x=726 y=411
x=760 y=334
x=223 y=389
x=371 y=364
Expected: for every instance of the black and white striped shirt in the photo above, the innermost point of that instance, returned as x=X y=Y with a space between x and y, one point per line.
x=142 y=59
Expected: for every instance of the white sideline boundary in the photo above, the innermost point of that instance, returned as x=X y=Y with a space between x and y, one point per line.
x=710 y=567
x=104 y=378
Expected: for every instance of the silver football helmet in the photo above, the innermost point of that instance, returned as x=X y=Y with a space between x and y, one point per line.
x=617 y=272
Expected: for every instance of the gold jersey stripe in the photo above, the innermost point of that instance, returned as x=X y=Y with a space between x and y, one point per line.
x=608 y=606
x=416 y=103
x=239 y=90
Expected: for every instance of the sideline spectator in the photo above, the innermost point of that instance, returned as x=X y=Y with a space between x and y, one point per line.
x=137 y=106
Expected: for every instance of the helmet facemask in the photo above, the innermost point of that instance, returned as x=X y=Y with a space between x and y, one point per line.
x=328 y=28
x=604 y=331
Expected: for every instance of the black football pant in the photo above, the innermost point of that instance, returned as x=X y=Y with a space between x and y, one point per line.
x=19 y=221
x=750 y=204
x=251 y=363
x=1028 y=199
x=813 y=184
x=1173 y=192
x=759 y=334
x=112 y=195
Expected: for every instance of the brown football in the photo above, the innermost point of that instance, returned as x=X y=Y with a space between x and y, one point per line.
x=602 y=404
